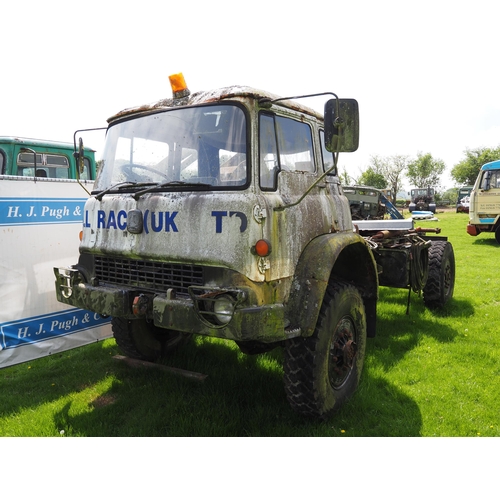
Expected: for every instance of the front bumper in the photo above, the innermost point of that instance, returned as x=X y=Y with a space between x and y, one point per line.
x=472 y=230
x=264 y=323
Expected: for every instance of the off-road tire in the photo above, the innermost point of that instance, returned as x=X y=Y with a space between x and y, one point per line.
x=142 y=340
x=313 y=384
x=441 y=279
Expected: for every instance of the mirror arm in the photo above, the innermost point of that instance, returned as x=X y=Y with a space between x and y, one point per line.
x=266 y=100
x=78 y=155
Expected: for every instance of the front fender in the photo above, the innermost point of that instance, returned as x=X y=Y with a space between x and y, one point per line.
x=332 y=257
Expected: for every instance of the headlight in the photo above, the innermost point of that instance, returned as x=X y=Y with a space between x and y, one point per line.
x=224 y=309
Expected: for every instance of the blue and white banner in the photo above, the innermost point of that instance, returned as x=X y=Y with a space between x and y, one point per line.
x=40 y=224
x=47 y=326
x=32 y=211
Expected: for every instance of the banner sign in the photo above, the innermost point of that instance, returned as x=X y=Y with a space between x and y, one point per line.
x=40 y=223
x=30 y=211
x=46 y=326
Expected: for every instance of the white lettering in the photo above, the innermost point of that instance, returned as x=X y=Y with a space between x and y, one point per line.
x=22 y=333
x=13 y=212
x=64 y=325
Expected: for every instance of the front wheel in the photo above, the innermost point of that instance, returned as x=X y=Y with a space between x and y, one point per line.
x=497 y=234
x=441 y=279
x=142 y=340
x=323 y=371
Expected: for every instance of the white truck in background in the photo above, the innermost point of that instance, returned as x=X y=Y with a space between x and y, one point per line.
x=484 y=204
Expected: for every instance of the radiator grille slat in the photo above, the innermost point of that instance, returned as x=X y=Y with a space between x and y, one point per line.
x=154 y=276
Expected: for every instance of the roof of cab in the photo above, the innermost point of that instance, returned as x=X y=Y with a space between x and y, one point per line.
x=206 y=97
x=39 y=143
x=492 y=165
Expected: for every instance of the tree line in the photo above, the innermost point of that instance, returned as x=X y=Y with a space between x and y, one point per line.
x=422 y=171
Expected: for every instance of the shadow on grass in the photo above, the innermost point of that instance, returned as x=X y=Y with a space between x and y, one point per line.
x=242 y=396
x=48 y=379
x=398 y=333
x=486 y=241
x=455 y=308
x=398 y=298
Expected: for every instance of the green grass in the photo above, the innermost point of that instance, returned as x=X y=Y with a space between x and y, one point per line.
x=427 y=373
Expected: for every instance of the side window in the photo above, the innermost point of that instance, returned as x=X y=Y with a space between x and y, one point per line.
x=2 y=162
x=44 y=165
x=327 y=155
x=490 y=180
x=294 y=145
x=495 y=180
x=268 y=153
x=484 y=180
x=284 y=144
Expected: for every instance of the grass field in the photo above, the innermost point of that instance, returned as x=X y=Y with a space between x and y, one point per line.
x=426 y=374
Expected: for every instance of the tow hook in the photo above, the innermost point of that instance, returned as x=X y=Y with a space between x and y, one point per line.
x=140 y=305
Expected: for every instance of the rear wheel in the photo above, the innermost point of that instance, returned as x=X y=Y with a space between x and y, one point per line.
x=441 y=279
x=142 y=340
x=323 y=371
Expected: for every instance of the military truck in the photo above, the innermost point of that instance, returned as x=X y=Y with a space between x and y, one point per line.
x=422 y=199
x=221 y=213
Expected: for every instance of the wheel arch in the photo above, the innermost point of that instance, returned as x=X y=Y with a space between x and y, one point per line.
x=337 y=256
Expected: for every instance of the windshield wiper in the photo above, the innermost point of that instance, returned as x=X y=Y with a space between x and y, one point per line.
x=121 y=185
x=170 y=184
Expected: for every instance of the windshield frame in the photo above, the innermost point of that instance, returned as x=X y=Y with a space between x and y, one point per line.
x=231 y=114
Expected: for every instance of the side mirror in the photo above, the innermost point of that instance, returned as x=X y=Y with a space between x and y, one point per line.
x=341 y=125
x=81 y=157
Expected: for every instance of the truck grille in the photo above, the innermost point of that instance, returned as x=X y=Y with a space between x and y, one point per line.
x=154 y=276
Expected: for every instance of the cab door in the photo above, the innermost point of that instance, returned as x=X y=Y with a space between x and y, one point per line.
x=288 y=165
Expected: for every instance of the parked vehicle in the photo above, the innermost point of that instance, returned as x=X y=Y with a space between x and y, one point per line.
x=463 y=200
x=44 y=159
x=422 y=200
x=484 y=208
x=221 y=213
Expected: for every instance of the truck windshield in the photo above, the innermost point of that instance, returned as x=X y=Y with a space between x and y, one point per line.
x=423 y=192
x=178 y=149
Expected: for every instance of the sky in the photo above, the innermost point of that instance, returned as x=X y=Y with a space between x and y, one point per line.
x=422 y=72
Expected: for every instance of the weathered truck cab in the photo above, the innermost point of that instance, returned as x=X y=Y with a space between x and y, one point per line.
x=221 y=213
